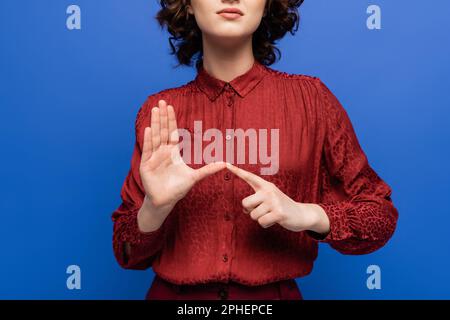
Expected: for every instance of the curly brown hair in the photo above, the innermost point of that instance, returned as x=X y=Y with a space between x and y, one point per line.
x=280 y=17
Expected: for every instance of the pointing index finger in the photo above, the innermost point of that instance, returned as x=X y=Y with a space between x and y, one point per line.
x=252 y=179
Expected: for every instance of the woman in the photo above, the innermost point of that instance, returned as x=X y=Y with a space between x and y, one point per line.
x=214 y=230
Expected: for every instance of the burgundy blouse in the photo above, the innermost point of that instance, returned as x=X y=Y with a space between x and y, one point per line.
x=207 y=237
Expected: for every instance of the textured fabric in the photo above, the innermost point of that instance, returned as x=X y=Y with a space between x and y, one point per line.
x=280 y=290
x=207 y=237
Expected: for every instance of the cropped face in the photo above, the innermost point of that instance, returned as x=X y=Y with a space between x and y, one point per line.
x=227 y=18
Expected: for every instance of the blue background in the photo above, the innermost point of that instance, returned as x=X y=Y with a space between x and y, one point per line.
x=68 y=103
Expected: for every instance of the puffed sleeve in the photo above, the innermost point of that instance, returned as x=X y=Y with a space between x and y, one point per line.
x=134 y=249
x=356 y=200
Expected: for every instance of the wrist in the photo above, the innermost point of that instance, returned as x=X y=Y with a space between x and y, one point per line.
x=321 y=222
x=151 y=217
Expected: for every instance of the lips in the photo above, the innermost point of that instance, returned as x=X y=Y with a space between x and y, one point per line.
x=231 y=10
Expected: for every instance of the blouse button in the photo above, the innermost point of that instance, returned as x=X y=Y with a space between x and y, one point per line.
x=227 y=176
x=225 y=257
x=223 y=293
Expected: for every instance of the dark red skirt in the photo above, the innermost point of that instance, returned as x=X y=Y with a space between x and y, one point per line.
x=281 y=290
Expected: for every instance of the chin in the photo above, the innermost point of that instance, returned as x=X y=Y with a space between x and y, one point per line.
x=230 y=33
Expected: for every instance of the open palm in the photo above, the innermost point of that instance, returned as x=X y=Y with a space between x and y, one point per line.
x=165 y=176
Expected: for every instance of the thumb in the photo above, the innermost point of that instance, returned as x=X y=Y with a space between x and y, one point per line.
x=209 y=169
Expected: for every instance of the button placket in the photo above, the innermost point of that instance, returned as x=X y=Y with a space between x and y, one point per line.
x=230 y=101
x=225 y=253
x=223 y=293
x=229 y=95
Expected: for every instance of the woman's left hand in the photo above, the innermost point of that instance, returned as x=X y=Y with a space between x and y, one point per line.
x=269 y=205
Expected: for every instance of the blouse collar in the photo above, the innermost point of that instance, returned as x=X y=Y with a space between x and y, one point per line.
x=242 y=84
